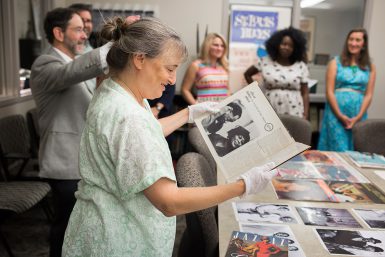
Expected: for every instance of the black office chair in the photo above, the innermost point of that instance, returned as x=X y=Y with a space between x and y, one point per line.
x=201 y=235
x=196 y=140
x=17 y=197
x=299 y=128
x=15 y=151
x=369 y=136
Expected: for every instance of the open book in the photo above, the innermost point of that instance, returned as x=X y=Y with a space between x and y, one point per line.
x=247 y=132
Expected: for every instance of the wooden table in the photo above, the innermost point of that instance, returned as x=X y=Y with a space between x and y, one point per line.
x=305 y=235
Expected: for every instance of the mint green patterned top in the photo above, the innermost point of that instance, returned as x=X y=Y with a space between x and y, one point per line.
x=122 y=152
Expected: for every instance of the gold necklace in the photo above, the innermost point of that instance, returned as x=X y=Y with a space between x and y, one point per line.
x=140 y=101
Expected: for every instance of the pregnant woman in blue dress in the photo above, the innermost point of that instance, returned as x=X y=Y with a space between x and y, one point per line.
x=350 y=81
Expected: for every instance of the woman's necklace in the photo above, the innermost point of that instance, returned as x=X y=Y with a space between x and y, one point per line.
x=124 y=85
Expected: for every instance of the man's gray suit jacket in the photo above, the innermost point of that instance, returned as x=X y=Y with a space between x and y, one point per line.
x=62 y=98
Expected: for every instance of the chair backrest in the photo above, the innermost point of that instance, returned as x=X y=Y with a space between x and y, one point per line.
x=299 y=128
x=196 y=140
x=33 y=128
x=14 y=137
x=193 y=170
x=369 y=136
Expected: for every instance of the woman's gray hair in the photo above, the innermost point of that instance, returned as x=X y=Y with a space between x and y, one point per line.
x=146 y=36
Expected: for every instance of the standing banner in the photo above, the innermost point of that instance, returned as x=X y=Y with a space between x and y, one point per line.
x=250 y=27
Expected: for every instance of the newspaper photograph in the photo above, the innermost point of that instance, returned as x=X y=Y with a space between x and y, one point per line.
x=263 y=212
x=247 y=132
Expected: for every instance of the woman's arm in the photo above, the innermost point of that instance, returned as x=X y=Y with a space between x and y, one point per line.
x=331 y=98
x=367 y=98
x=171 y=123
x=305 y=98
x=172 y=200
x=188 y=82
x=249 y=73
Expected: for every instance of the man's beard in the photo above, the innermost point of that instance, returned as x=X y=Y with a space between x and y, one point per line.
x=73 y=46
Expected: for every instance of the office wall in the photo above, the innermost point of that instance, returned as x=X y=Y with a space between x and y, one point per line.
x=331 y=31
x=375 y=27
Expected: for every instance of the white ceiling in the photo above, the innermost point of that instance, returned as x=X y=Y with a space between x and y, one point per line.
x=340 y=5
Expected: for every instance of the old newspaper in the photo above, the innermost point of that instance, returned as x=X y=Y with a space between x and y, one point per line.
x=247 y=132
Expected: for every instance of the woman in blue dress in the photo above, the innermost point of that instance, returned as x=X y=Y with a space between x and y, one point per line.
x=350 y=81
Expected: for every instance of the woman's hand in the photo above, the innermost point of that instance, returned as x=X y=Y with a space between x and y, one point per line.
x=197 y=110
x=257 y=178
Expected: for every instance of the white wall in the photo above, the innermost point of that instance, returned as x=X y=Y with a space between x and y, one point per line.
x=376 y=33
x=331 y=31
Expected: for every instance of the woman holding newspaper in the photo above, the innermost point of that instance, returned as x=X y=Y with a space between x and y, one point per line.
x=128 y=191
x=285 y=73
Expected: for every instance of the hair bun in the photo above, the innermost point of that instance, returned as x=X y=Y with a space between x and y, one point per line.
x=113 y=29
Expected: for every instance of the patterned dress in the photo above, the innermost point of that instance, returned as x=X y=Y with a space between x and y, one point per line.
x=123 y=151
x=211 y=83
x=350 y=87
x=283 y=85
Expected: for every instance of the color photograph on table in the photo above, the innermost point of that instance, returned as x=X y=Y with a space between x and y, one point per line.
x=298 y=170
x=263 y=212
x=340 y=173
x=355 y=243
x=255 y=245
x=356 y=192
x=332 y=217
x=373 y=218
x=277 y=230
x=327 y=191
x=303 y=190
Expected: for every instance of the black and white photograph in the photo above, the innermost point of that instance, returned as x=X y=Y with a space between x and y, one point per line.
x=230 y=128
x=330 y=217
x=355 y=243
x=263 y=212
x=276 y=230
x=373 y=218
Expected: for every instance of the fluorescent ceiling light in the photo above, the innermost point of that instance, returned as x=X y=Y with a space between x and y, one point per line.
x=309 y=3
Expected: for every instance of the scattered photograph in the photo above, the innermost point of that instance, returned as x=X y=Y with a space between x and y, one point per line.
x=356 y=192
x=303 y=190
x=298 y=170
x=330 y=217
x=355 y=243
x=340 y=173
x=243 y=244
x=374 y=218
x=277 y=230
x=263 y=212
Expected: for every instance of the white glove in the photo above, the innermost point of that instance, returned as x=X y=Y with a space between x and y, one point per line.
x=257 y=178
x=197 y=110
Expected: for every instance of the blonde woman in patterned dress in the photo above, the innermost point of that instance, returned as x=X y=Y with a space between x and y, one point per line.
x=128 y=197
x=209 y=73
x=285 y=73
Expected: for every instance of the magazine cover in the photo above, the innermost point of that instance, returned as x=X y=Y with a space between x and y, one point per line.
x=316 y=156
x=340 y=173
x=280 y=231
x=355 y=243
x=373 y=218
x=298 y=170
x=303 y=190
x=243 y=244
x=247 y=132
x=263 y=212
x=327 y=191
x=330 y=217
x=356 y=192
x=367 y=160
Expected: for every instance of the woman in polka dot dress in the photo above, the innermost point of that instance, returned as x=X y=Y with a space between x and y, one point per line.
x=285 y=73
